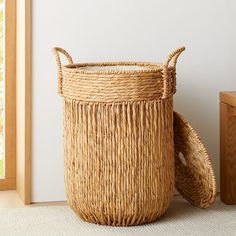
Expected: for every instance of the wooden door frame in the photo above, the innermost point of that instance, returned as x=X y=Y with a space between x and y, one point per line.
x=23 y=156
x=9 y=180
x=18 y=160
x=28 y=100
x=28 y=104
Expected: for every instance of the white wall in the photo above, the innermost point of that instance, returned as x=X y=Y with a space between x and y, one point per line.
x=104 y=30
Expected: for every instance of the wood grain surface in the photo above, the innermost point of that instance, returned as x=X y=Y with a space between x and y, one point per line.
x=228 y=150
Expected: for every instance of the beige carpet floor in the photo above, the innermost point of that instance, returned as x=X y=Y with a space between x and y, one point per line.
x=180 y=219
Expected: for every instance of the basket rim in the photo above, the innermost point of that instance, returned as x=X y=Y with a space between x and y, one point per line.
x=151 y=67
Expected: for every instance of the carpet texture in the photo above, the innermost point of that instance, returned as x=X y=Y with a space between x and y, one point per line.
x=180 y=219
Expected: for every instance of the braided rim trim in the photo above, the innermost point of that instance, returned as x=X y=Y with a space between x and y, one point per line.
x=151 y=67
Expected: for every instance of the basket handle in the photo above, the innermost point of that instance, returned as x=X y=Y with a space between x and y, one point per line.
x=168 y=87
x=56 y=51
x=172 y=58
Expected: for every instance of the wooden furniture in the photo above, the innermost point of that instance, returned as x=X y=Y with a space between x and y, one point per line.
x=228 y=147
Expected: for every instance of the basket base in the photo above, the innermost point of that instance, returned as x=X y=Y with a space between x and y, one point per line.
x=129 y=220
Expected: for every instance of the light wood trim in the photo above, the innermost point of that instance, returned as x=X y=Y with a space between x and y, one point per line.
x=23 y=169
x=23 y=183
x=7 y=184
x=9 y=181
x=10 y=88
x=28 y=95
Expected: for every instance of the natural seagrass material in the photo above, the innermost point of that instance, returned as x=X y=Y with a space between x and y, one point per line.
x=194 y=175
x=118 y=139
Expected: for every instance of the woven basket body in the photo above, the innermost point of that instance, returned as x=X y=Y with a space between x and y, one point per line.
x=118 y=140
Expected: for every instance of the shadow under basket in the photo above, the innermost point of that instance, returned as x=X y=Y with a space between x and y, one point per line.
x=118 y=138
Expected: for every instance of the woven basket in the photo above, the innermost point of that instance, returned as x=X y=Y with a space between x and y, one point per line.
x=118 y=138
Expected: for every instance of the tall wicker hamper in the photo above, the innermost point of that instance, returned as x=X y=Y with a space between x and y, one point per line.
x=118 y=138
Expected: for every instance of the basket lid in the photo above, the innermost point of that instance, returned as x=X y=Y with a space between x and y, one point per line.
x=194 y=175
x=122 y=67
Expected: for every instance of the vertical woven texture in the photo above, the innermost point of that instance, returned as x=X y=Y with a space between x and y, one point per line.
x=119 y=165
x=118 y=138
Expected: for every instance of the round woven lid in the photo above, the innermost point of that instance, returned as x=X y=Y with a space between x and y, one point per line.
x=194 y=175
